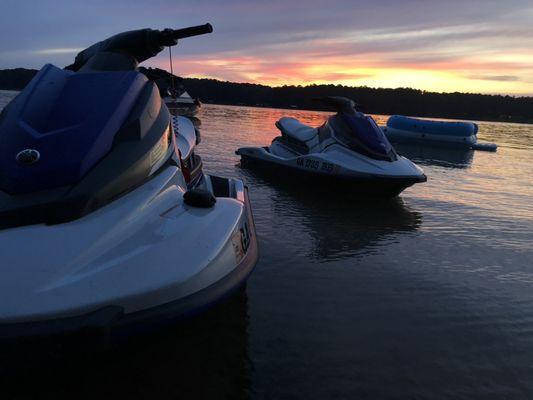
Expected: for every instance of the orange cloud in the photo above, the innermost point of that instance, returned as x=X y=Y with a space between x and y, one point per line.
x=324 y=61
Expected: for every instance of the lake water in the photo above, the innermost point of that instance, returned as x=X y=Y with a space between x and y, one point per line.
x=426 y=296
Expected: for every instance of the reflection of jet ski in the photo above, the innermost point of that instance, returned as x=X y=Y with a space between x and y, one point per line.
x=440 y=156
x=353 y=227
x=98 y=232
x=347 y=153
x=204 y=357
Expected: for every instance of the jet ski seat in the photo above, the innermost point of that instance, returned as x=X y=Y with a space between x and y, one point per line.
x=296 y=130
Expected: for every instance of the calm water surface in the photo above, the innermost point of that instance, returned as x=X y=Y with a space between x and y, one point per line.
x=426 y=296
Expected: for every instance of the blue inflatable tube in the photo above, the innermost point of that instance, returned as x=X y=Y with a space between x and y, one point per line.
x=402 y=129
x=444 y=128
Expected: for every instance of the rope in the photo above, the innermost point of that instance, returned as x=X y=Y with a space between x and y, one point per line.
x=173 y=94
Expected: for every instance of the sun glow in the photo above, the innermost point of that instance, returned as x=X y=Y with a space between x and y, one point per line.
x=455 y=58
x=498 y=75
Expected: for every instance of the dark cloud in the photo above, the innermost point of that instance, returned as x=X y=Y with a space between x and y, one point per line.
x=409 y=33
x=247 y=25
x=500 y=78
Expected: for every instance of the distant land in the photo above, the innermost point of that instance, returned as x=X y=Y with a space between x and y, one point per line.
x=403 y=101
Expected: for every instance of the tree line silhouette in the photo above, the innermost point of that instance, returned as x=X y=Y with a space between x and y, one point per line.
x=403 y=101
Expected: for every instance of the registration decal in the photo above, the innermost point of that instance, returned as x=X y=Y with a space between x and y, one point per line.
x=241 y=241
x=316 y=165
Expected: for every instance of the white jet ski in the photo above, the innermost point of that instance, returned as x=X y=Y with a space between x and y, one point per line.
x=177 y=99
x=348 y=153
x=101 y=230
x=183 y=104
x=187 y=138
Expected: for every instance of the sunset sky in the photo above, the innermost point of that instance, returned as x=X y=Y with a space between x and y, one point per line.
x=452 y=45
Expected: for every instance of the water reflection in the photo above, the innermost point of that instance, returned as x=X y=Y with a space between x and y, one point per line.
x=196 y=122
x=342 y=229
x=338 y=226
x=439 y=156
x=201 y=358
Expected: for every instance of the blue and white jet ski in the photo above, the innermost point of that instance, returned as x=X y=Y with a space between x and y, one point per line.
x=102 y=229
x=348 y=153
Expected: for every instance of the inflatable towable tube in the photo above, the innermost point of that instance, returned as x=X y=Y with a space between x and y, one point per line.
x=402 y=129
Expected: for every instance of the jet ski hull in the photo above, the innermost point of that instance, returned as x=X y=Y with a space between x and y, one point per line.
x=110 y=322
x=182 y=108
x=313 y=173
x=104 y=321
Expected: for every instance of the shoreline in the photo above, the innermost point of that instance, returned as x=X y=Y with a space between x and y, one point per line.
x=437 y=117
x=318 y=109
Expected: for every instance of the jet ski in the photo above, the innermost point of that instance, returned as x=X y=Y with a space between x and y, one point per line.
x=182 y=104
x=348 y=153
x=187 y=138
x=101 y=232
x=173 y=92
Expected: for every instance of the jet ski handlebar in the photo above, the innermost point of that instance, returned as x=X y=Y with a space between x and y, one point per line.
x=191 y=31
x=339 y=103
x=170 y=37
x=138 y=45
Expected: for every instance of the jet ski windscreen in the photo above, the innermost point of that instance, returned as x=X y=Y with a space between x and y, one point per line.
x=369 y=139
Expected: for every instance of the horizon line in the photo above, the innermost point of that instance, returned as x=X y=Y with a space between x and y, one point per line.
x=516 y=96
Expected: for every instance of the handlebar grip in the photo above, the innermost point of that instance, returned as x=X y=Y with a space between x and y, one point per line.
x=192 y=31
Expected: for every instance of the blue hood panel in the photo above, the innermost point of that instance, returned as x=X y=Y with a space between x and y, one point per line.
x=70 y=118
